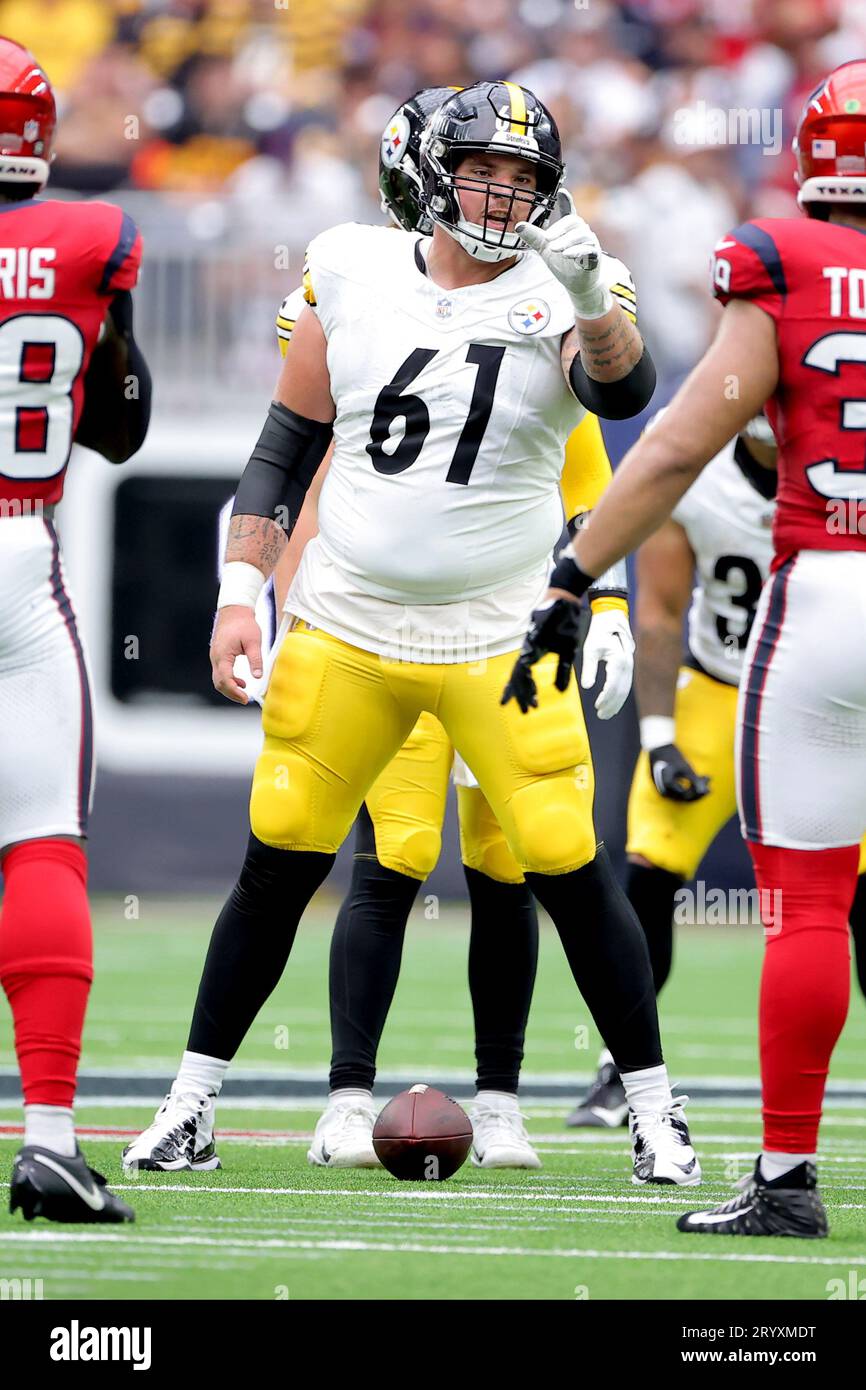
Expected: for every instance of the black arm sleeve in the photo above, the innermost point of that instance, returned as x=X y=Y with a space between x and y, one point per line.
x=282 y=466
x=615 y=400
x=117 y=390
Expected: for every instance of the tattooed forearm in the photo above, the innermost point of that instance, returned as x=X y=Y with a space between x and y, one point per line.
x=609 y=347
x=256 y=540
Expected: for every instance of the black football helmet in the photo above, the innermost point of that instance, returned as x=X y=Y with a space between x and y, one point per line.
x=400 y=159
x=496 y=117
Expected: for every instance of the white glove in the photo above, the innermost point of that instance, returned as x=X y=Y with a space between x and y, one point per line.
x=609 y=640
x=570 y=249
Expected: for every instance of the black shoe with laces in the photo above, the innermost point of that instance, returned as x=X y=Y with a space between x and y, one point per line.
x=605 y=1105
x=786 y=1206
x=49 y=1184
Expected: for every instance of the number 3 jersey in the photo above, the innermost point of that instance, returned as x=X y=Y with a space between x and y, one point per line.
x=60 y=265
x=441 y=505
x=810 y=277
x=727 y=514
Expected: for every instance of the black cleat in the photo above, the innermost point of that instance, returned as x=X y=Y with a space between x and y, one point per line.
x=787 y=1206
x=62 y=1189
x=605 y=1105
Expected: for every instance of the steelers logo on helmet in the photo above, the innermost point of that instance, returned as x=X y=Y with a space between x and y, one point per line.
x=529 y=316
x=492 y=119
x=395 y=139
x=399 y=159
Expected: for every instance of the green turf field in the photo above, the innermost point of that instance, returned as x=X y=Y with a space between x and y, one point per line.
x=269 y=1226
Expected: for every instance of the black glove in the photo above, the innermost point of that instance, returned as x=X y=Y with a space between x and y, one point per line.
x=674 y=777
x=559 y=627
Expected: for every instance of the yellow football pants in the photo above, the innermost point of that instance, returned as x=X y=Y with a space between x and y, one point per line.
x=407 y=807
x=675 y=835
x=335 y=717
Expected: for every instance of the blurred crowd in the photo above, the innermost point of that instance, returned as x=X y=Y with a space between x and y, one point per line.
x=275 y=107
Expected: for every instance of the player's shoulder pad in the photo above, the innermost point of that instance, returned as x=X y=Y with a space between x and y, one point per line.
x=349 y=250
x=115 y=242
x=617 y=276
x=748 y=262
x=287 y=316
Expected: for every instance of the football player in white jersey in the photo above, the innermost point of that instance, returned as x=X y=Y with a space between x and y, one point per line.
x=399 y=829
x=449 y=374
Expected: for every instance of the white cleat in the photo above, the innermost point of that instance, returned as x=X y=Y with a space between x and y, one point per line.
x=180 y=1139
x=662 y=1148
x=344 y=1135
x=499 y=1138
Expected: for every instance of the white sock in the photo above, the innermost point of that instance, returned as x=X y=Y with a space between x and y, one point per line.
x=775 y=1165
x=500 y=1100
x=349 y=1093
x=647 y=1091
x=50 y=1127
x=200 y=1073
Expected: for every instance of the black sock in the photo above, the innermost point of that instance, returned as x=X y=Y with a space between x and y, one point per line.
x=250 y=943
x=858 y=930
x=503 y=956
x=651 y=893
x=608 y=955
x=366 y=950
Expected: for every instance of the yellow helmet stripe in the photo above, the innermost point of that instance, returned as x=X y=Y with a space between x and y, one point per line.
x=518 y=108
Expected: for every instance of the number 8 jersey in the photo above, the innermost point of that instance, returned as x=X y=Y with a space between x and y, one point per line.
x=810 y=277
x=452 y=418
x=60 y=265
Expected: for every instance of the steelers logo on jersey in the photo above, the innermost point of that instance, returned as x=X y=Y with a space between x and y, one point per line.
x=394 y=141
x=529 y=316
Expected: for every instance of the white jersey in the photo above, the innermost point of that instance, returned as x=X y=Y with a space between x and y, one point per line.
x=728 y=523
x=441 y=504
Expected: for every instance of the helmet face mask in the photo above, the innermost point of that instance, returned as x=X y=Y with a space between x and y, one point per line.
x=490 y=119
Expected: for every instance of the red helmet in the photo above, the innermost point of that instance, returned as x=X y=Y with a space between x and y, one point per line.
x=27 y=117
x=830 y=144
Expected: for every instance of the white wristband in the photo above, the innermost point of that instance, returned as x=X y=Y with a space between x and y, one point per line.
x=593 y=303
x=241 y=584
x=656 y=731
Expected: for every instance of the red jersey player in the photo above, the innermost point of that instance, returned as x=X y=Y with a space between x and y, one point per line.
x=793 y=334
x=69 y=369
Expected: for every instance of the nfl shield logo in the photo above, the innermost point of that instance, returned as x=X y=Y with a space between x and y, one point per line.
x=529 y=316
x=443 y=308
x=31 y=131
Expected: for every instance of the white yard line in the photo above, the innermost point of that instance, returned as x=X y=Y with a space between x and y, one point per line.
x=437 y=1194
x=410 y=1247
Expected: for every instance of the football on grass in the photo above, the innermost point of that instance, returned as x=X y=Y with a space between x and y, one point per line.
x=423 y=1135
